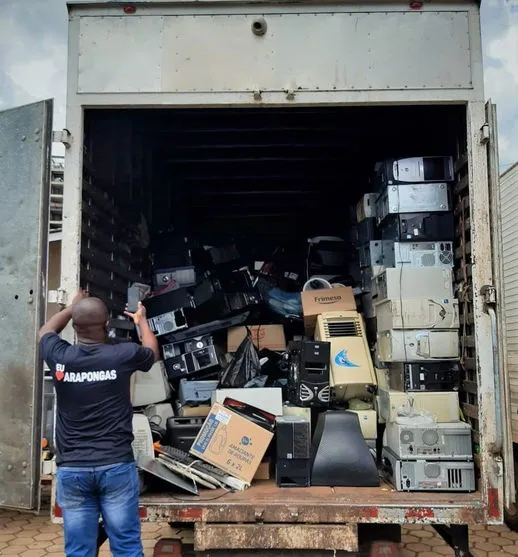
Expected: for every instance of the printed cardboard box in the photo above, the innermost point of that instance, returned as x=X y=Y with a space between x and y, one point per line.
x=315 y=302
x=232 y=443
x=263 y=336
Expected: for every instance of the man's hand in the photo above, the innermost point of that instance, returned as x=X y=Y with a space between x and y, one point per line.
x=59 y=321
x=139 y=315
x=81 y=295
x=148 y=338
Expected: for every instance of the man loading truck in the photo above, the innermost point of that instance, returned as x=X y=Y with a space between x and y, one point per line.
x=96 y=475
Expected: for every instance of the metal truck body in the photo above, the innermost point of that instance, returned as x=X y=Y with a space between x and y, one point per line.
x=161 y=55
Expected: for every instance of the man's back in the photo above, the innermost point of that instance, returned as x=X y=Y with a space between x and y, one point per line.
x=96 y=473
x=94 y=411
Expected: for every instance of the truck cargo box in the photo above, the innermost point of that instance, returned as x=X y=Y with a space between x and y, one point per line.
x=258 y=130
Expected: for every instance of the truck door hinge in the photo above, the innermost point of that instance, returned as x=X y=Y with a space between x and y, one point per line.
x=62 y=136
x=485 y=134
x=489 y=294
x=58 y=296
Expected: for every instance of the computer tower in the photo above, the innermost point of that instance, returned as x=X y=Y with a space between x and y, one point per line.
x=417 y=345
x=414 y=169
x=367 y=305
x=444 y=407
x=420 y=254
x=352 y=373
x=423 y=475
x=174 y=278
x=408 y=283
x=417 y=313
x=413 y=198
x=366 y=231
x=424 y=376
x=368 y=423
x=418 y=227
x=191 y=356
x=377 y=254
x=308 y=379
x=165 y=312
x=223 y=304
x=293 y=445
x=196 y=391
x=449 y=441
x=366 y=207
x=150 y=387
x=181 y=432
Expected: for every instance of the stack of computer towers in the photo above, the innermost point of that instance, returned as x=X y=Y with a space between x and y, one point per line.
x=370 y=249
x=417 y=315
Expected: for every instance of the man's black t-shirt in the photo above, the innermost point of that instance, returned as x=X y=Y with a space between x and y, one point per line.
x=94 y=411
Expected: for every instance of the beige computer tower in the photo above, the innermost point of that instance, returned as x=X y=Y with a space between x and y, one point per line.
x=444 y=406
x=412 y=283
x=368 y=423
x=417 y=345
x=417 y=313
x=150 y=387
x=352 y=371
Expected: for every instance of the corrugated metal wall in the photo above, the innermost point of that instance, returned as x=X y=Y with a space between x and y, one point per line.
x=509 y=222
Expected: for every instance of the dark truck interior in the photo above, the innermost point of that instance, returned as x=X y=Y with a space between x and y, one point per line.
x=264 y=180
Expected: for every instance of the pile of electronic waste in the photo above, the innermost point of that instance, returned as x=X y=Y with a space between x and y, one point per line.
x=348 y=357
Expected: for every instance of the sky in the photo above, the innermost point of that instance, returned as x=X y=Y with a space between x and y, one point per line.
x=33 y=35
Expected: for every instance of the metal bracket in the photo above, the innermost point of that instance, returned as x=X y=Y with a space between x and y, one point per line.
x=294 y=514
x=258 y=95
x=488 y=292
x=485 y=134
x=58 y=296
x=62 y=136
x=290 y=94
x=457 y=537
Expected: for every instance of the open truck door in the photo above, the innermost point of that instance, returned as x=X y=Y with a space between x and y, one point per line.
x=25 y=152
x=504 y=233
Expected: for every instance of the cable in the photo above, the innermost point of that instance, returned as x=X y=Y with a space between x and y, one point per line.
x=403 y=328
x=226 y=492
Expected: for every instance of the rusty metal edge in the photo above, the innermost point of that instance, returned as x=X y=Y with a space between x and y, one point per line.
x=276 y=536
x=474 y=513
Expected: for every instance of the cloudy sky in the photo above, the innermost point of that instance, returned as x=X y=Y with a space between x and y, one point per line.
x=33 y=37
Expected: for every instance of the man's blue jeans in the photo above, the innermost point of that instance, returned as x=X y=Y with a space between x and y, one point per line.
x=112 y=492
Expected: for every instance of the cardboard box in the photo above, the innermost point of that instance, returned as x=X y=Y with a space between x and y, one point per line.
x=268 y=399
x=263 y=336
x=315 y=302
x=264 y=470
x=232 y=443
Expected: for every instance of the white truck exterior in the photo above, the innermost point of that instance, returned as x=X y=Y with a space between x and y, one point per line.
x=509 y=231
x=165 y=55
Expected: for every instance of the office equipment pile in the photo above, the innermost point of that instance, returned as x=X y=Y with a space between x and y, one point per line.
x=344 y=373
x=407 y=228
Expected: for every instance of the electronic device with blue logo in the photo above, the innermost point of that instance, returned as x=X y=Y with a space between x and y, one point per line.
x=352 y=372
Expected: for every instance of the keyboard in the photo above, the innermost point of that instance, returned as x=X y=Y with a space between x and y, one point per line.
x=196 y=465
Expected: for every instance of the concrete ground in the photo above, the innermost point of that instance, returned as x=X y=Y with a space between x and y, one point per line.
x=27 y=535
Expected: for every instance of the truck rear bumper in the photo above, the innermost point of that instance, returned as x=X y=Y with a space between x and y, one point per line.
x=265 y=503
